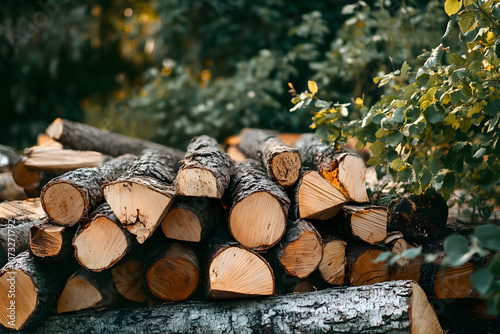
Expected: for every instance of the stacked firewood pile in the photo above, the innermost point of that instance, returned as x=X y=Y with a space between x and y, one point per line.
x=119 y=221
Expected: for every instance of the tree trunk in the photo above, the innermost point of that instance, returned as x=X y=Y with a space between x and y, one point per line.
x=51 y=243
x=141 y=197
x=344 y=170
x=258 y=207
x=282 y=162
x=16 y=212
x=205 y=170
x=9 y=190
x=102 y=241
x=333 y=263
x=84 y=137
x=69 y=198
x=389 y=307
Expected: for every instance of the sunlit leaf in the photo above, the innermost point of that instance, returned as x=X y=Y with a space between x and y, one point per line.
x=452 y=6
x=313 y=87
x=466 y=20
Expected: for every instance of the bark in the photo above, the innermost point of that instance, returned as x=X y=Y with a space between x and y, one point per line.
x=83 y=137
x=315 y=155
x=205 y=153
x=14 y=239
x=9 y=190
x=51 y=243
x=8 y=156
x=380 y=308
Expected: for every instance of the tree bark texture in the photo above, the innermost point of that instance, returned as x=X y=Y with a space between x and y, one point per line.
x=14 y=239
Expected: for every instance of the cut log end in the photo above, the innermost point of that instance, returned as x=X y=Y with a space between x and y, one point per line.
x=128 y=281
x=268 y=221
x=182 y=224
x=332 y=265
x=286 y=168
x=23 y=305
x=423 y=319
x=237 y=272
x=197 y=182
x=370 y=225
x=64 y=203
x=302 y=256
x=364 y=271
x=78 y=294
x=454 y=282
x=55 y=129
x=46 y=242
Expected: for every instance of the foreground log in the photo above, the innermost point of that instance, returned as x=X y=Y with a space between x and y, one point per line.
x=205 y=170
x=258 y=207
x=333 y=262
x=59 y=161
x=173 y=272
x=84 y=137
x=16 y=212
x=191 y=218
x=316 y=198
x=9 y=190
x=300 y=251
x=361 y=266
x=345 y=170
x=51 y=243
x=381 y=308
x=29 y=292
x=102 y=241
x=127 y=277
x=141 y=197
x=282 y=162
x=69 y=198
x=14 y=239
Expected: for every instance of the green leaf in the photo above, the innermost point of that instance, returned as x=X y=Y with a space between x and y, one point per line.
x=404 y=69
x=435 y=57
x=381 y=133
x=479 y=153
x=394 y=139
x=468 y=2
x=434 y=166
x=377 y=148
x=322 y=104
x=457 y=249
x=383 y=257
x=466 y=20
x=412 y=252
x=447 y=33
x=481 y=280
x=313 y=87
x=396 y=164
x=452 y=6
x=489 y=236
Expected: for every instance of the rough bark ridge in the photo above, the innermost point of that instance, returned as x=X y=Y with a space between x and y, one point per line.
x=314 y=153
x=249 y=177
x=380 y=308
x=204 y=152
x=83 y=137
x=15 y=239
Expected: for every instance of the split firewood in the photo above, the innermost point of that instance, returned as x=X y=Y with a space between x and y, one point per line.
x=419 y=217
x=333 y=263
x=51 y=243
x=9 y=190
x=141 y=197
x=399 y=306
x=343 y=169
x=258 y=207
x=43 y=140
x=235 y=153
x=8 y=158
x=191 y=218
x=282 y=162
x=127 y=276
x=84 y=137
x=235 y=271
x=300 y=251
x=102 y=241
x=29 y=292
x=87 y=290
x=25 y=177
x=173 y=272
x=69 y=198
x=316 y=198
x=361 y=266
x=16 y=212
x=205 y=170
x=59 y=161
x=405 y=268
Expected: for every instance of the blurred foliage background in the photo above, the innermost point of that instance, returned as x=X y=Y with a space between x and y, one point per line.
x=168 y=70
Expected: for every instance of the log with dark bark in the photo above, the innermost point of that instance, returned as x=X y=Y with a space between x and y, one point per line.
x=8 y=157
x=69 y=198
x=300 y=251
x=316 y=198
x=14 y=239
x=205 y=170
x=420 y=218
x=87 y=290
x=361 y=266
x=29 y=292
x=258 y=207
x=9 y=190
x=141 y=197
x=333 y=263
x=102 y=241
x=282 y=162
x=59 y=161
x=343 y=169
x=84 y=137
x=16 y=212
x=191 y=218
x=173 y=272
x=399 y=306
x=50 y=242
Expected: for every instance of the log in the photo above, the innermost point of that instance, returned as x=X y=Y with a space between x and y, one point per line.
x=361 y=266
x=191 y=218
x=29 y=292
x=14 y=239
x=300 y=251
x=421 y=218
x=343 y=169
x=51 y=243
x=84 y=137
x=235 y=154
x=8 y=158
x=44 y=140
x=316 y=198
x=87 y=290
x=24 y=177
x=16 y=212
x=173 y=272
x=282 y=162
x=399 y=306
x=9 y=190
x=205 y=170
x=69 y=198
x=332 y=267
x=127 y=277
x=258 y=207
x=59 y=161
x=405 y=269
x=102 y=241
x=141 y=197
